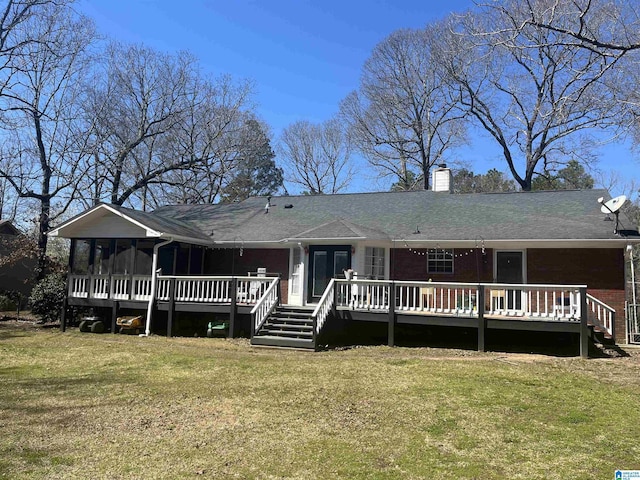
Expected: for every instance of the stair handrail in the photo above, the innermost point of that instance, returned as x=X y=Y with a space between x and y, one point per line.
x=321 y=312
x=265 y=305
x=602 y=315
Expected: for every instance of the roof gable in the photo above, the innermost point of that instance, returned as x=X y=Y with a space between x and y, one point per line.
x=340 y=229
x=110 y=221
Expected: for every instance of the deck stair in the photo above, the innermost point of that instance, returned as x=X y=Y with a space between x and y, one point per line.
x=287 y=326
x=600 y=335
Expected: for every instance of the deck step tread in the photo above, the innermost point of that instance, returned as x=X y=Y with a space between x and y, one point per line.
x=268 y=324
x=277 y=341
x=289 y=319
x=288 y=333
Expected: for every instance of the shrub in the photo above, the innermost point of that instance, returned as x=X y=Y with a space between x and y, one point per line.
x=47 y=297
x=6 y=304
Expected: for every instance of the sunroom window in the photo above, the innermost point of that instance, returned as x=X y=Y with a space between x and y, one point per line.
x=102 y=253
x=144 y=257
x=122 y=263
x=81 y=253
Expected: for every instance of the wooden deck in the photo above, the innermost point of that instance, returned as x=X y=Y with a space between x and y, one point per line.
x=545 y=308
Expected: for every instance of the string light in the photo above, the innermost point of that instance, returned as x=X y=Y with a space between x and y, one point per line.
x=457 y=253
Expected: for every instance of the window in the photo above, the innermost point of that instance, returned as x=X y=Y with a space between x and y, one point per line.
x=123 y=253
x=144 y=257
x=197 y=256
x=81 y=252
x=295 y=273
x=440 y=261
x=101 y=255
x=182 y=262
x=374 y=263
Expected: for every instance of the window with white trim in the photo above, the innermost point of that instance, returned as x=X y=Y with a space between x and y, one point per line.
x=374 y=263
x=440 y=261
x=295 y=273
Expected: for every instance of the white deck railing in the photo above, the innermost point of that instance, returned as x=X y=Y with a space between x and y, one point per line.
x=548 y=302
x=99 y=286
x=250 y=289
x=188 y=288
x=78 y=286
x=266 y=304
x=602 y=315
x=531 y=301
x=120 y=286
x=321 y=312
x=212 y=289
x=199 y=289
x=141 y=287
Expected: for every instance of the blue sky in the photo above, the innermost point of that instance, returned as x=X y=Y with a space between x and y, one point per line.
x=303 y=56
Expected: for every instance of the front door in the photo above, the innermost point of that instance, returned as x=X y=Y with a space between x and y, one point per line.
x=325 y=263
x=509 y=269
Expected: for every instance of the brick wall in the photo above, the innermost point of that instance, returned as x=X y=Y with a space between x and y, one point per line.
x=222 y=262
x=468 y=266
x=602 y=270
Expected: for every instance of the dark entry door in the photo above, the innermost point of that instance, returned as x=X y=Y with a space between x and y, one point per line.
x=509 y=269
x=326 y=262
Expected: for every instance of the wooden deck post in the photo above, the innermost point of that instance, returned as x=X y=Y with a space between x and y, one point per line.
x=584 y=327
x=392 y=315
x=114 y=316
x=482 y=322
x=233 y=310
x=63 y=314
x=171 y=308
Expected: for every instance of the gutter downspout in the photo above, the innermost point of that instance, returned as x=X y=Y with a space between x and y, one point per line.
x=633 y=292
x=154 y=276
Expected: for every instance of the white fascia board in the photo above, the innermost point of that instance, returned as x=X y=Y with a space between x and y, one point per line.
x=54 y=232
x=247 y=244
x=520 y=243
x=149 y=231
x=326 y=240
x=181 y=238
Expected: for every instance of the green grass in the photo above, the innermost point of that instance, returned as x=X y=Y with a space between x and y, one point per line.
x=107 y=406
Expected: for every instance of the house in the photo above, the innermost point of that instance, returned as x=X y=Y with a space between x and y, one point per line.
x=16 y=274
x=282 y=268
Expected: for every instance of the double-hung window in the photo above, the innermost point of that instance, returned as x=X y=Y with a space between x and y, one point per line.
x=440 y=261
x=374 y=263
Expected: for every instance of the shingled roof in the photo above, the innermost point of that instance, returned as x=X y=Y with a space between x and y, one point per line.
x=412 y=216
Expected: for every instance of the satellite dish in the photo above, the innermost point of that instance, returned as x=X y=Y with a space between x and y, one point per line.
x=613 y=205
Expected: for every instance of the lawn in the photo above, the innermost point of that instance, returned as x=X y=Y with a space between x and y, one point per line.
x=108 y=406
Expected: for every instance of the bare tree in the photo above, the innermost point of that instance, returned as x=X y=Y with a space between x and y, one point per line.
x=238 y=163
x=540 y=101
x=42 y=149
x=155 y=116
x=606 y=27
x=404 y=118
x=12 y=38
x=316 y=157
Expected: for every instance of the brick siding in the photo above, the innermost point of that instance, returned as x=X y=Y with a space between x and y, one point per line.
x=468 y=266
x=602 y=270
